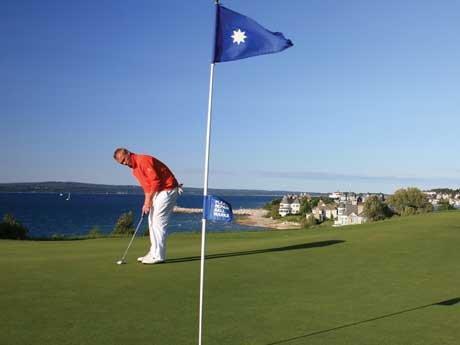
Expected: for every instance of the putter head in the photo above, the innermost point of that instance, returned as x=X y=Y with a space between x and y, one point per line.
x=121 y=262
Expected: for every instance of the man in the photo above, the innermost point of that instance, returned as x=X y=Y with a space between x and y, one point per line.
x=161 y=191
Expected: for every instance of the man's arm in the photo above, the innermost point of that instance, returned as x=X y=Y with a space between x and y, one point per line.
x=150 y=188
x=148 y=202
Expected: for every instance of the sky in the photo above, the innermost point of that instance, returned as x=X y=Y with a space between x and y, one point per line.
x=366 y=100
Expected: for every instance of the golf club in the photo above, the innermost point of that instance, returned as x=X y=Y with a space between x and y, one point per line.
x=122 y=260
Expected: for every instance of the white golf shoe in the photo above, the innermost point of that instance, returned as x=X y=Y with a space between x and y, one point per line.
x=140 y=258
x=150 y=261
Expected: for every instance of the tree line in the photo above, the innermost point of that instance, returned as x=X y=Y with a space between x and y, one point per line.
x=404 y=202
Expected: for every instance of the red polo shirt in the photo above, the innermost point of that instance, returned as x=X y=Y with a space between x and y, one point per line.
x=152 y=174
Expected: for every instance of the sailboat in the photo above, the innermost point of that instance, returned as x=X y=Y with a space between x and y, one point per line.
x=68 y=197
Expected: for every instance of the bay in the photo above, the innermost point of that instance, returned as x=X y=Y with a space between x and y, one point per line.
x=50 y=214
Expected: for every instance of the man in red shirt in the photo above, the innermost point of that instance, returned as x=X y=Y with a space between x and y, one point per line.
x=161 y=191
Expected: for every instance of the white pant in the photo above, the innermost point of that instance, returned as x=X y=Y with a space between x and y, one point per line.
x=163 y=205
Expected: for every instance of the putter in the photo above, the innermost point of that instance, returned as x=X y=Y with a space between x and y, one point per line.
x=122 y=260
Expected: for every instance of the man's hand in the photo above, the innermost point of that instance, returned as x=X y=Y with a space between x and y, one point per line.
x=148 y=203
x=146 y=209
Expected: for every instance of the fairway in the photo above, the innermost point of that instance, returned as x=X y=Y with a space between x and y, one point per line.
x=392 y=282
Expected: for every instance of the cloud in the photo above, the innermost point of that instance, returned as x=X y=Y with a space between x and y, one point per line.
x=328 y=176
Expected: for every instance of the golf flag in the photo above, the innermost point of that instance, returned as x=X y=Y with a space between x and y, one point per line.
x=217 y=209
x=240 y=37
x=236 y=37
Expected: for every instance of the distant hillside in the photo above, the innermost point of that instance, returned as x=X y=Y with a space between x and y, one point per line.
x=445 y=190
x=89 y=188
x=67 y=187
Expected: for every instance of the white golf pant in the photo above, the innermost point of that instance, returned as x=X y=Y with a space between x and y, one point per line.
x=163 y=205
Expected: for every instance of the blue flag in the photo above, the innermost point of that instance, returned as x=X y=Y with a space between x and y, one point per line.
x=239 y=37
x=217 y=209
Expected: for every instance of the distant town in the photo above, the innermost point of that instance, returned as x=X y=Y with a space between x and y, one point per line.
x=347 y=208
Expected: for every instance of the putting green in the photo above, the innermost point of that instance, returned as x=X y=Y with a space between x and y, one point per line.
x=378 y=283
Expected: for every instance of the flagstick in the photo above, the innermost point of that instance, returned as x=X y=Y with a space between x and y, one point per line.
x=205 y=193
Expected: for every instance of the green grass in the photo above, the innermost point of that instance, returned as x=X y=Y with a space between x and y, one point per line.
x=368 y=284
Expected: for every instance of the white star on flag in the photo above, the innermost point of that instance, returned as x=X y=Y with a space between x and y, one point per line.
x=238 y=36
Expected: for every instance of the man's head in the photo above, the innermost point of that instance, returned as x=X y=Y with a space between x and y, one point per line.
x=123 y=156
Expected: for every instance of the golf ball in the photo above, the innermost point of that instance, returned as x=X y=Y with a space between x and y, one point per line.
x=119 y=262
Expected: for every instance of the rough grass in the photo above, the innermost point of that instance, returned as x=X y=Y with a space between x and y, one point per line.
x=368 y=284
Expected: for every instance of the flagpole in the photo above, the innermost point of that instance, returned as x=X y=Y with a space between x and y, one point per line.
x=205 y=193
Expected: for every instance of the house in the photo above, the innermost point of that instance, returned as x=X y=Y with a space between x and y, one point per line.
x=430 y=194
x=353 y=198
x=436 y=199
x=290 y=204
x=317 y=213
x=323 y=211
x=295 y=206
x=305 y=196
x=348 y=214
x=456 y=204
x=331 y=212
x=285 y=207
x=350 y=197
x=335 y=195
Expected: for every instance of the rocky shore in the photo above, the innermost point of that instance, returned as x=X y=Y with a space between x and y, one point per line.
x=249 y=216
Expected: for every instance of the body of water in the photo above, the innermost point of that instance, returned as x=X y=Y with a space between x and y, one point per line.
x=51 y=214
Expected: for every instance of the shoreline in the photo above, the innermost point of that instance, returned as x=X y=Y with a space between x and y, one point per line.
x=250 y=216
x=238 y=212
x=256 y=217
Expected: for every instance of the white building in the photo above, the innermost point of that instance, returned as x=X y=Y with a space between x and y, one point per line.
x=285 y=207
x=290 y=204
x=348 y=214
x=295 y=206
x=323 y=211
x=335 y=195
x=456 y=203
x=436 y=199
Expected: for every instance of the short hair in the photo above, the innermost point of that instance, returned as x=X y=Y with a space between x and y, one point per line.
x=120 y=149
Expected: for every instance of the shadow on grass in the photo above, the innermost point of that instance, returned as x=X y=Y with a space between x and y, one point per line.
x=259 y=251
x=448 y=302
